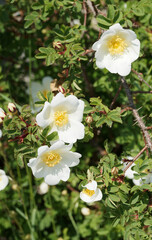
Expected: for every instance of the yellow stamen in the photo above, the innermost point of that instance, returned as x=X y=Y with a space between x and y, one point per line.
x=60 y=118
x=0 y=178
x=88 y=192
x=117 y=45
x=51 y=158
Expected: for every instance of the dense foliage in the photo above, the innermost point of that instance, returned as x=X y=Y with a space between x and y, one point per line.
x=54 y=38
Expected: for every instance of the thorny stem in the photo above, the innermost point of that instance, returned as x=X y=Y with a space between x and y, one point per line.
x=135 y=158
x=136 y=115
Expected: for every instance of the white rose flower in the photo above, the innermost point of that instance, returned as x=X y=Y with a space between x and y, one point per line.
x=64 y=115
x=116 y=50
x=52 y=163
x=91 y=193
x=43 y=188
x=1 y=133
x=3 y=180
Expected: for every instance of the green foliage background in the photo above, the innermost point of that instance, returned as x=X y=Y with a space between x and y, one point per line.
x=29 y=32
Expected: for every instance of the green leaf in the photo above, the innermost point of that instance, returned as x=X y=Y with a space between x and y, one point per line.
x=80 y=176
x=114 y=198
x=103 y=22
x=115 y=115
x=37 y=6
x=50 y=96
x=118 y=17
x=46 y=131
x=40 y=55
x=101 y=121
x=28 y=23
x=20 y=160
x=95 y=170
x=111 y=12
x=53 y=136
x=148 y=222
x=138 y=11
x=41 y=96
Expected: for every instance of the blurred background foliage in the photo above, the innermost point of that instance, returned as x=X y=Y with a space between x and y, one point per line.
x=54 y=38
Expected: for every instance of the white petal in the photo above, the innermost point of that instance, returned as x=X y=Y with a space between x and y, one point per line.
x=57 y=145
x=71 y=159
x=124 y=69
x=64 y=172
x=2 y=172
x=3 y=182
x=71 y=103
x=130 y=173
x=84 y=197
x=57 y=100
x=133 y=50
x=44 y=117
x=74 y=131
x=42 y=149
x=116 y=27
x=138 y=182
x=1 y=133
x=52 y=179
x=99 y=195
x=91 y=185
x=57 y=173
x=78 y=114
x=46 y=82
x=32 y=162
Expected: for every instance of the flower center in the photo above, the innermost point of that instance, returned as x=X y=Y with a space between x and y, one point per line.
x=0 y=178
x=117 y=45
x=88 y=192
x=51 y=158
x=60 y=118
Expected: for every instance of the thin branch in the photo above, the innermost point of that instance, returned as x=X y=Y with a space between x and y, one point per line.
x=115 y=98
x=148 y=128
x=134 y=92
x=135 y=158
x=140 y=78
x=89 y=86
x=87 y=51
x=126 y=109
x=136 y=115
x=85 y=13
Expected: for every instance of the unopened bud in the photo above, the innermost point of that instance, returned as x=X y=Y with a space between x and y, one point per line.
x=11 y=107
x=2 y=115
x=57 y=44
x=43 y=188
x=89 y=119
x=15 y=187
x=28 y=237
x=85 y=211
x=64 y=192
x=101 y=171
x=61 y=89
x=114 y=171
